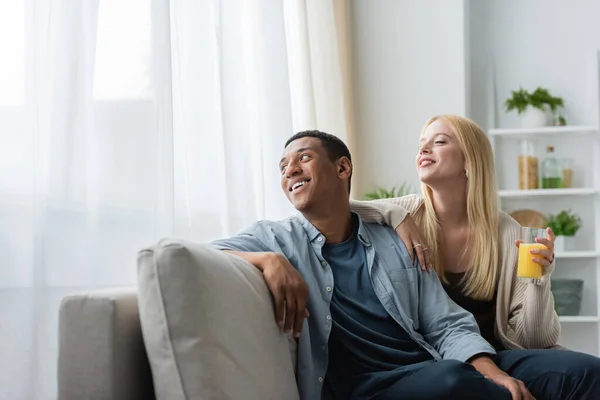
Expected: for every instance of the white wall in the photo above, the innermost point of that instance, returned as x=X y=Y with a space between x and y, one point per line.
x=532 y=43
x=408 y=65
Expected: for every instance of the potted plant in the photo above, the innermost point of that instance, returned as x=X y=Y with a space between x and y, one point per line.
x=564 y=225
x=533 y=107
x=381 y=193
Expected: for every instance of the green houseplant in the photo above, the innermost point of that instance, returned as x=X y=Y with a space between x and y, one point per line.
x=564 y=225
x=382 y=193
x=533 y=107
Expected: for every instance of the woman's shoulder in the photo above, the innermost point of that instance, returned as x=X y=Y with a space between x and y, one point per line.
x=413 y=200
x=508 y=225
x=509 y=231
x=410 y=202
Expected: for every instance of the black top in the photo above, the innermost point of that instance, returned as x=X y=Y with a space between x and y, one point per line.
x=484 y=311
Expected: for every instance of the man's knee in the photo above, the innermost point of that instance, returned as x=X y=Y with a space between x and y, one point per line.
x=579 y=366
x=452 y=376
x=563 y=374
x=568 y=362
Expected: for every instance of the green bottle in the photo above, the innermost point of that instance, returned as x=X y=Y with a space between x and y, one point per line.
x=551 y=171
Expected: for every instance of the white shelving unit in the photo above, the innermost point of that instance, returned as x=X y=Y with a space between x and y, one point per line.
x=547 y=130
x=582 y=145
x=548 y=192
x=578 y=318
x=577 y=254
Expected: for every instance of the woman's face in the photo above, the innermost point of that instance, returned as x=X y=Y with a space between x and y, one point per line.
x=440 y=158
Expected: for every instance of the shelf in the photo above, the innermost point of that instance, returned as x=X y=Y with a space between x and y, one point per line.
x=578 y=318
x=578 y=254
x=547 y=192
x=518 y=133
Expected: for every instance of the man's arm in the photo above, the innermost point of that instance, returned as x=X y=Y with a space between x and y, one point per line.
x=253 y=239
x=449 y=328
x=454 y=333
x=258 y=259
x=290 y=293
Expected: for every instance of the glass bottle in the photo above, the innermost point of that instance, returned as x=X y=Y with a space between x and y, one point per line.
x=551 y=171
x=559 y=117
x=528 y=167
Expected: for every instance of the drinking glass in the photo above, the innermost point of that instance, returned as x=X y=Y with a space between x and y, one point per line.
x=527 y=269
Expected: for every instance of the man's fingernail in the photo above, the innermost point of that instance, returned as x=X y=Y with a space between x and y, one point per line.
x=297 y=335
x=280 y=323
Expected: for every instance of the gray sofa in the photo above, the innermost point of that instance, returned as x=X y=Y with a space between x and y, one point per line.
x=200 y=317
x=101 y=350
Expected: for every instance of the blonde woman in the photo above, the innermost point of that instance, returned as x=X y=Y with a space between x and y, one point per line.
x=472 y=245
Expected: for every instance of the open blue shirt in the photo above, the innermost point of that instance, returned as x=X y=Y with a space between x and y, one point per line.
x=368 y=350
x=416 y=300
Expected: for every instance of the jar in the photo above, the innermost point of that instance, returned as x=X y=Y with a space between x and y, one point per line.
x=567 y=172
x=528 y=167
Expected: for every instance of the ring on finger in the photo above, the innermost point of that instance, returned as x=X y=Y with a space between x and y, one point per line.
x=417 y=245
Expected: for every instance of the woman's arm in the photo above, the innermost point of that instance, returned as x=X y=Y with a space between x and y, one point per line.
x=390 y=211
x=531 y=312
x=393 y=212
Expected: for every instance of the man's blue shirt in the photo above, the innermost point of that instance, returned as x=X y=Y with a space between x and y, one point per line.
x=415 y=300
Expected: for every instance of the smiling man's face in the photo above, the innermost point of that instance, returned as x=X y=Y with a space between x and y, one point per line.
x=308 y=175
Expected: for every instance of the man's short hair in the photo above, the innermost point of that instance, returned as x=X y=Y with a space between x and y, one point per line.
x=333 y=145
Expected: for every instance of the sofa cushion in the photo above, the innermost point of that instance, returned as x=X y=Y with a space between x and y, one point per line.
x=208 y=326
x=101 y=352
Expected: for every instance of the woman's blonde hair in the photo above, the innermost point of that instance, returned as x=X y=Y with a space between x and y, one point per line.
x=482 y=210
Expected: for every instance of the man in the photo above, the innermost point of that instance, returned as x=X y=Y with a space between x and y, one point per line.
x=378 y=327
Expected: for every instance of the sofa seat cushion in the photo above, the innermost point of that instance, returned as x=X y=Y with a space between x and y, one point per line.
x=208 y=326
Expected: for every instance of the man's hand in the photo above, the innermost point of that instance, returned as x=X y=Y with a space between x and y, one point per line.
x=411 y=235
x=289 y=290
x=486 y=367
x=516 y=387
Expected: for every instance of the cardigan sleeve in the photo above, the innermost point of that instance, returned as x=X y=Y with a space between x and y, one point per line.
x=390 y=211
x=531 y=315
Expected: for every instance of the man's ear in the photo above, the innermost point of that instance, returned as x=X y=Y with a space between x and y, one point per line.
x=344 y=167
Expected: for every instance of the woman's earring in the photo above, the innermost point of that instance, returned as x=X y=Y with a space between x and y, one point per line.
x=467 y=173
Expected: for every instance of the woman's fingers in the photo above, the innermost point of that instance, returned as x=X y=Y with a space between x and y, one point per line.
x=546 y=242
x=542 y=261
x=550 y=234
x=421 y=256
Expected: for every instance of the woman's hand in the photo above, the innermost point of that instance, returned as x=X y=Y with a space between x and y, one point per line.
x=414 y=241
x=544 y=257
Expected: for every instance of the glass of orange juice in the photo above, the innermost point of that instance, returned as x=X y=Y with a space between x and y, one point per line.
x=527 y=269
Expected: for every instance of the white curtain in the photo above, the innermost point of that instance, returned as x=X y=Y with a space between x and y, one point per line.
x=123 y=121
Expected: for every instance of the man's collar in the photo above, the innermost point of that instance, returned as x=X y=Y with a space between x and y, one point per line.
x=313 y=233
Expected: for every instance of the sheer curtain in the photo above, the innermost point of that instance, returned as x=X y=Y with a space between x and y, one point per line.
x=125 y=121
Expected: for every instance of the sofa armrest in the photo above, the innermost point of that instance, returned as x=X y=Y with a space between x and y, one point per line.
x=101 y=349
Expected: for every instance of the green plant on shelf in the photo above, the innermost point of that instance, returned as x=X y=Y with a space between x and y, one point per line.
x=564 y=223
x=540 y=99
x=382 y=193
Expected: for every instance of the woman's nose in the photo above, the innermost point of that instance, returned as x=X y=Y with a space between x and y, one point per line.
x=424 y=149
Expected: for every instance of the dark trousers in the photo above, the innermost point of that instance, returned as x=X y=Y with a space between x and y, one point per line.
x=548 y=374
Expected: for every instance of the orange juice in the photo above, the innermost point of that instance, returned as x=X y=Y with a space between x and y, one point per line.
x=526 y=268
